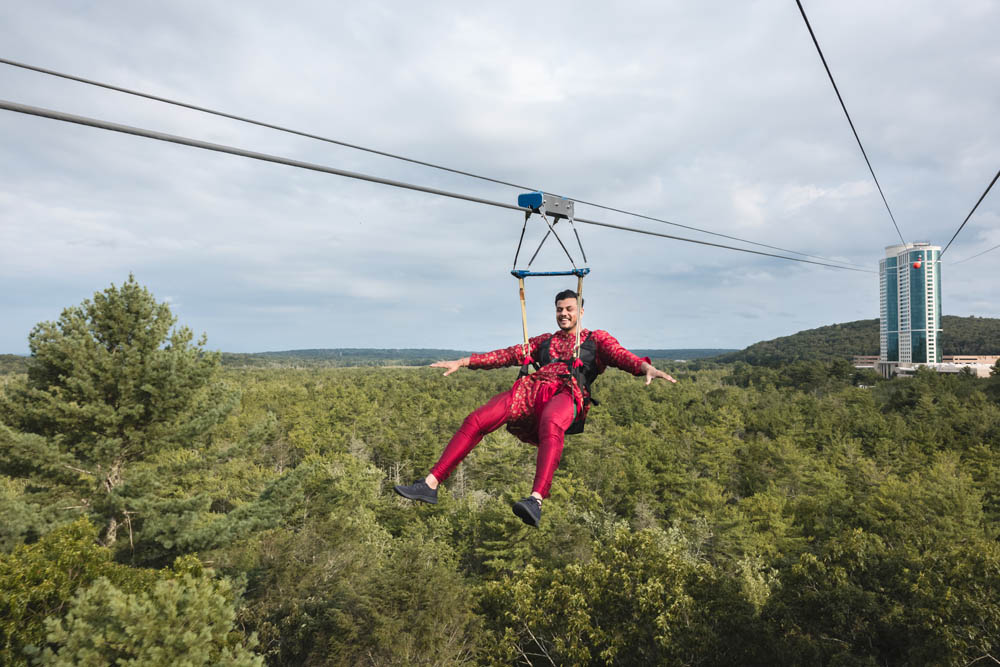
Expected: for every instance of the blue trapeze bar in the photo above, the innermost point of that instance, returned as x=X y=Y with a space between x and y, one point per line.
x=518 y=273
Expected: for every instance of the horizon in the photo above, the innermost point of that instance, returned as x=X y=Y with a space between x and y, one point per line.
x=473 y=349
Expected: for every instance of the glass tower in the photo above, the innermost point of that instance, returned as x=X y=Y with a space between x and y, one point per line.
x=910 y=304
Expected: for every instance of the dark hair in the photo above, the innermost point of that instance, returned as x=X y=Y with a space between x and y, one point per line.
x=569 y=294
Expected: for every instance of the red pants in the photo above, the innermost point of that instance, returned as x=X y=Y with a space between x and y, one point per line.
x=556 y=416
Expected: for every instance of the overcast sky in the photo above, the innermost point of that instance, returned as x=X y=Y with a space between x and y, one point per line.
x=714 y=115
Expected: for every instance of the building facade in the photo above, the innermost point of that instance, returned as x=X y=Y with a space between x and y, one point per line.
x=910 y=304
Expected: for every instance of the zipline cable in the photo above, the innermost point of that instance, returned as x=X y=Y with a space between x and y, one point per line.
x=851 y=122
x=264 y=157
x=394 y=156
x=988 y=187
x=976 y=255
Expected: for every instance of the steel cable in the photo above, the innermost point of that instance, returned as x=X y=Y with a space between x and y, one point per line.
x=394 y=156
x=976 y=255
x=850 y=122
x=988 y=187
x=220 y=148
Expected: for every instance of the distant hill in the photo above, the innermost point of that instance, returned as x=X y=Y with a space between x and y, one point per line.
x=342 y=357
x=13 y=363
x=682 y=353
x=960 y=335
x=400 y=357
x=970 y=335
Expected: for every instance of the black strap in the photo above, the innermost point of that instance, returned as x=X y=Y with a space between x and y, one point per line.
x=525 y=369
x=527 y=214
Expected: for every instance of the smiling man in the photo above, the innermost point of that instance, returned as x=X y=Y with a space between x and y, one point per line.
x=541 y=407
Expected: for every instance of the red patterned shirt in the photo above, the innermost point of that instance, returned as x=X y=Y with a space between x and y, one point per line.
x=532 y=392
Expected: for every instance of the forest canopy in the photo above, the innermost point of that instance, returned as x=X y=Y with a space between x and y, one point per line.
x=804 y=513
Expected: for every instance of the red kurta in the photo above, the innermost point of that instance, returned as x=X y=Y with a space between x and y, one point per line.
x=532 y=392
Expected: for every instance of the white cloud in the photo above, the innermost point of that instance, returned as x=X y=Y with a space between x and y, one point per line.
x=795 y=197
x=748 y=205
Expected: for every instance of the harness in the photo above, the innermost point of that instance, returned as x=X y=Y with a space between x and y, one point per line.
x=585 y=373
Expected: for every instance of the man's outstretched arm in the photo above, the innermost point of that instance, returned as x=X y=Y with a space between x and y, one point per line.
x=614 y=354
x=508 y=356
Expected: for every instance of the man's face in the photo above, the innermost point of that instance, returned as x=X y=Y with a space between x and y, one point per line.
x=567 y=314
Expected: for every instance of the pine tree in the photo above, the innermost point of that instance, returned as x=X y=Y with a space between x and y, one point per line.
x=40 y=580
x=188 y=621
x=110 y=383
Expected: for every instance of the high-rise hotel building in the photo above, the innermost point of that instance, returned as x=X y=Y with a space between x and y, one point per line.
x=910 y=304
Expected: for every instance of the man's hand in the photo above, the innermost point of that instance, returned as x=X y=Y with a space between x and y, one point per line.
x=653 y=372
x=452 y=366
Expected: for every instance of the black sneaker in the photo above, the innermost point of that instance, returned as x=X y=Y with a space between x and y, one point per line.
x=418 y=491
x=530 y=510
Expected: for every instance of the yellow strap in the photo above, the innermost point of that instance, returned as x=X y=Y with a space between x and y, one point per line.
x=524 y=316
x=579 y=319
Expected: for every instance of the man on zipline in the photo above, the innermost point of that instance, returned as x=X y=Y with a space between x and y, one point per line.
x=541 y=407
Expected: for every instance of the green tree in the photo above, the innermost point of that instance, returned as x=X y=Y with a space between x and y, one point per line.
x=183 y=622
x=111 y=382
x=39 y=580
x=21 y=517
x=865 y=601
x=642 y=600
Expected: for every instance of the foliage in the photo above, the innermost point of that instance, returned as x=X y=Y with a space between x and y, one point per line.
x=798 y=513
x=835 y=341
x=867 y=600
x=642 y=599
x=108 y=384
x=970 y=335
x=40 y=580
x=186 y=621
x=24 y=518
x=339 y=357
x=681 y=353
x=13 y=363
x=338 y=589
